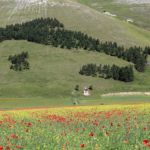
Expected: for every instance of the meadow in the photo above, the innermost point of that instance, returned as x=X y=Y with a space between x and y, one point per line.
x=53 y=75
x=138 y=12
x=54 y=71
x=71 y=128
x=28 y=103
x=36 y=106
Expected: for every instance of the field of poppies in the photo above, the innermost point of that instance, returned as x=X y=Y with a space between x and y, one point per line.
x=105 y=127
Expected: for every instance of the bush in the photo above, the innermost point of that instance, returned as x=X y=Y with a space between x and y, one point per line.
x=19 y=62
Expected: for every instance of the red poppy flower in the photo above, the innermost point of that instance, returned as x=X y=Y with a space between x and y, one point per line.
x=146 y=142
x=83 y=129
x=7 y=148
x=102 y=127
x=77 y=129
x=82 y=145
x=145 y=128
x=95 y=123
x=91 y=134
x=14 y=136
x=1 y=147
x=29 y=124
x=19 y=146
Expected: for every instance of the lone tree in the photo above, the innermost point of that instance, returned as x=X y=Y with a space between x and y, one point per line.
x=76 y=88
x=75 y=95
x=91 y=87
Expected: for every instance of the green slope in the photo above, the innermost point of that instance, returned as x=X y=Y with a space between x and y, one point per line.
x=139 y=13
x=76 y=16
x=53 y=75
x=54 y=71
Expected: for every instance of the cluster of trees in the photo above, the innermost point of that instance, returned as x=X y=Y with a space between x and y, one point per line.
x=50 y=31
x=19 y=62
x=147 y=50
x=125 y=74
x=134 y=54
x=36 y=30
x=72 y=39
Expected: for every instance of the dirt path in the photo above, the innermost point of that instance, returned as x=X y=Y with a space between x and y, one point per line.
x=134 y=1
x=127 y=94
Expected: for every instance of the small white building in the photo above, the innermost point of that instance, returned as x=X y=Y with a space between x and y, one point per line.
x=109 y=14
x=130 y=20
x=86 y=92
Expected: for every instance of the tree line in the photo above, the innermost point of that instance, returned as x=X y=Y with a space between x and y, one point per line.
x=115 y=72
x=19 y=62
x=50 y=31
x=147 y=50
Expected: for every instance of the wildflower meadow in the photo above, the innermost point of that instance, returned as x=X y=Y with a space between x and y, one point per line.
x=107 y=127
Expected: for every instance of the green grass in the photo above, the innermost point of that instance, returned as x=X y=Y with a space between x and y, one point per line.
x=125 y=99
x=138 y=12
x=54 y=74
x=17 y=103
x=54 y=71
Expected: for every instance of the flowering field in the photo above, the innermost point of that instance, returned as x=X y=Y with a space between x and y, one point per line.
x=110 y=127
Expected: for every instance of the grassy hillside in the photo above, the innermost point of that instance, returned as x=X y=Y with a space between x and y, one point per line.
x=75 y=16
x=136 y=10
x=54 y=74
x=54 y=71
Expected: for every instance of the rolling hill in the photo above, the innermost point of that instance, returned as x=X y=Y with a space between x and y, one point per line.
x=54 y=71
x=136 y=11
x=75 y=16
